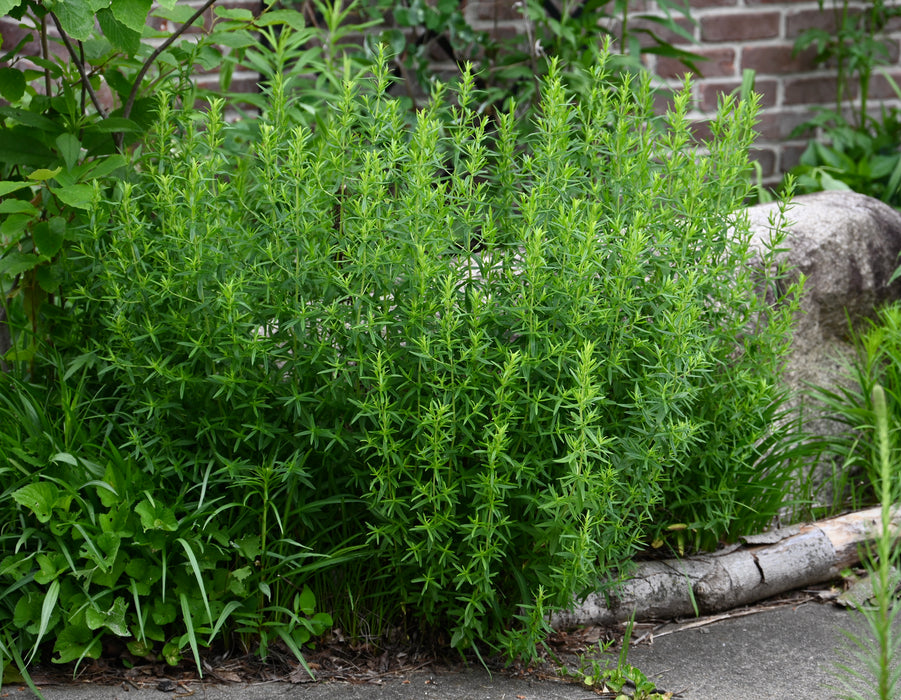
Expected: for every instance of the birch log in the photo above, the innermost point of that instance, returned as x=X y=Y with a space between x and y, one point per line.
x=765 y=565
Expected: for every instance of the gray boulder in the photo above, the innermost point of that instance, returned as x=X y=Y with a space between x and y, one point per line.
x=847 y=246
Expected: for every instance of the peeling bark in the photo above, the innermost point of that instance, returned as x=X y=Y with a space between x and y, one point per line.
x=764 y=566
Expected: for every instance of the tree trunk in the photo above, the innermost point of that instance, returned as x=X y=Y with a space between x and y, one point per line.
x=765 y=565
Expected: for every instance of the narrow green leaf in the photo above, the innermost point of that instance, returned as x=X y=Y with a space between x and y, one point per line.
x=47 y=610
x=189 y=627
x=198 y=574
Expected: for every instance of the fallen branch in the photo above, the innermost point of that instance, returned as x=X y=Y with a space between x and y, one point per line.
x=766 y=565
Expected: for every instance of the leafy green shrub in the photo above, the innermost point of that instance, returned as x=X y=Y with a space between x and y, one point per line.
x=73 y=113
x=95 y=545
x=495 y=362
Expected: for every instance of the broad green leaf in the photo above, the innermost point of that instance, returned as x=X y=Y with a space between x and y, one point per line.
x=163 y=613
x=69 y=148
x=76 y=18
x=48 y=237
x=19 y=206
x=102 y=167
x=172 y=653
x=249 y=546
x=830 y=183
x=236 y=581
x=12 y=230
x=76 y=642
x=132 y=13
x=240 y=39
x=9 y=186
x=112 y=619
x=306 y=601
x=239 y=13
x=113 y=124
x=12 y=84
x=175 y=12
x=140 y=649
x=103 y=552
x=19 y=148
x=32 y=119
x=39 y=497
x=27 y=612
x=122 y=37
x=43 y=174
x=156 y=517
x=51 y=567
x=7 y=5
x=292 y=18
x=78 y=196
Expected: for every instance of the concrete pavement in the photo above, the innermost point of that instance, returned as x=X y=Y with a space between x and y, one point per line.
x=790 y=652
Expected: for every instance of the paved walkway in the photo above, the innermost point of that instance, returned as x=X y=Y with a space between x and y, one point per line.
x=786 y=653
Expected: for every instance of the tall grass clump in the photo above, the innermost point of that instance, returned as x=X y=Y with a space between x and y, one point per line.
x=457 y=371
x=876 y=666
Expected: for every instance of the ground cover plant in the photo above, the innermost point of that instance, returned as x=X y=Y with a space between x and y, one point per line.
x=449 y=374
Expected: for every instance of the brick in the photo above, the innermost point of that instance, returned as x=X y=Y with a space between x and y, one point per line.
x=663 y=100
x=766 y=157
x=777 y=59
x=881 y=89
x=721 y=64
x=700 y=4
x=641 y=27
x=812 y=90
x=11 y=34
x=709 y=92
x=740 y=26
x=790 y=155
x=798 y=22
x=777 y=125
x=496 y=11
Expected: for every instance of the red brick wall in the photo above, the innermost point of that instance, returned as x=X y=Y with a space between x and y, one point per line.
x=740 y=34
